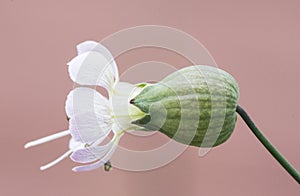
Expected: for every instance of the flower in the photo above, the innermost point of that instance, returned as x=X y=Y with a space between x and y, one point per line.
x=183 y=106
x=92 y=116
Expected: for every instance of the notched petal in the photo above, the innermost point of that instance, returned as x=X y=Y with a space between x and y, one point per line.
x=83 y=99
x=94 y=65
x=89 y=127
x=90 y=154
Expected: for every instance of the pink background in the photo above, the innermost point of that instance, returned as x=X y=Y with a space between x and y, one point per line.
x=256 y=41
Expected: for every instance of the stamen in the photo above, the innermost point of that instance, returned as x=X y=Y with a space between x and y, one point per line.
x=56 y=160
x=47 y=139
x=107 y=166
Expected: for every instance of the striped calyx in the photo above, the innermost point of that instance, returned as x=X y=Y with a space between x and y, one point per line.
x=195 y=105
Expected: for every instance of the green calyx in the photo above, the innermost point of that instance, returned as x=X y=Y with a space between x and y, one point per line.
x=195 y=106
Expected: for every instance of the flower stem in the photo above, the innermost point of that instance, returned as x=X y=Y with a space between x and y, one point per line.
x=279 y=157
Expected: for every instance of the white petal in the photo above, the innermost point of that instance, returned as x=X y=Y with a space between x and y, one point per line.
x=83 y=99
x=89 y=127
x=94 y=68
x=88 y=46
x=90 y=154
x=89 y=167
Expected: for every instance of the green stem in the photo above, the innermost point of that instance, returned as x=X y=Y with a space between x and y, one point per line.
x=284 y=163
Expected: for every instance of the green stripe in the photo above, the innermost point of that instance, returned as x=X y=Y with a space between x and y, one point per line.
x=184 y=101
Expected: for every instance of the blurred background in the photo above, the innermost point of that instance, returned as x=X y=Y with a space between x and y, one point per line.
x=256 y=41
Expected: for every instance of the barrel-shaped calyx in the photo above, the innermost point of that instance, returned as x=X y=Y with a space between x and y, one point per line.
x=195 y=105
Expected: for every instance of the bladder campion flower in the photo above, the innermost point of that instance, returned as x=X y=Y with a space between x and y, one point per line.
x=196 y=105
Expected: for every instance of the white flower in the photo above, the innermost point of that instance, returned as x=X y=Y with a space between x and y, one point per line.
x=91 y=115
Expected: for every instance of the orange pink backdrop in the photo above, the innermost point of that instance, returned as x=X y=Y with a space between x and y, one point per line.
x=256 y=41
